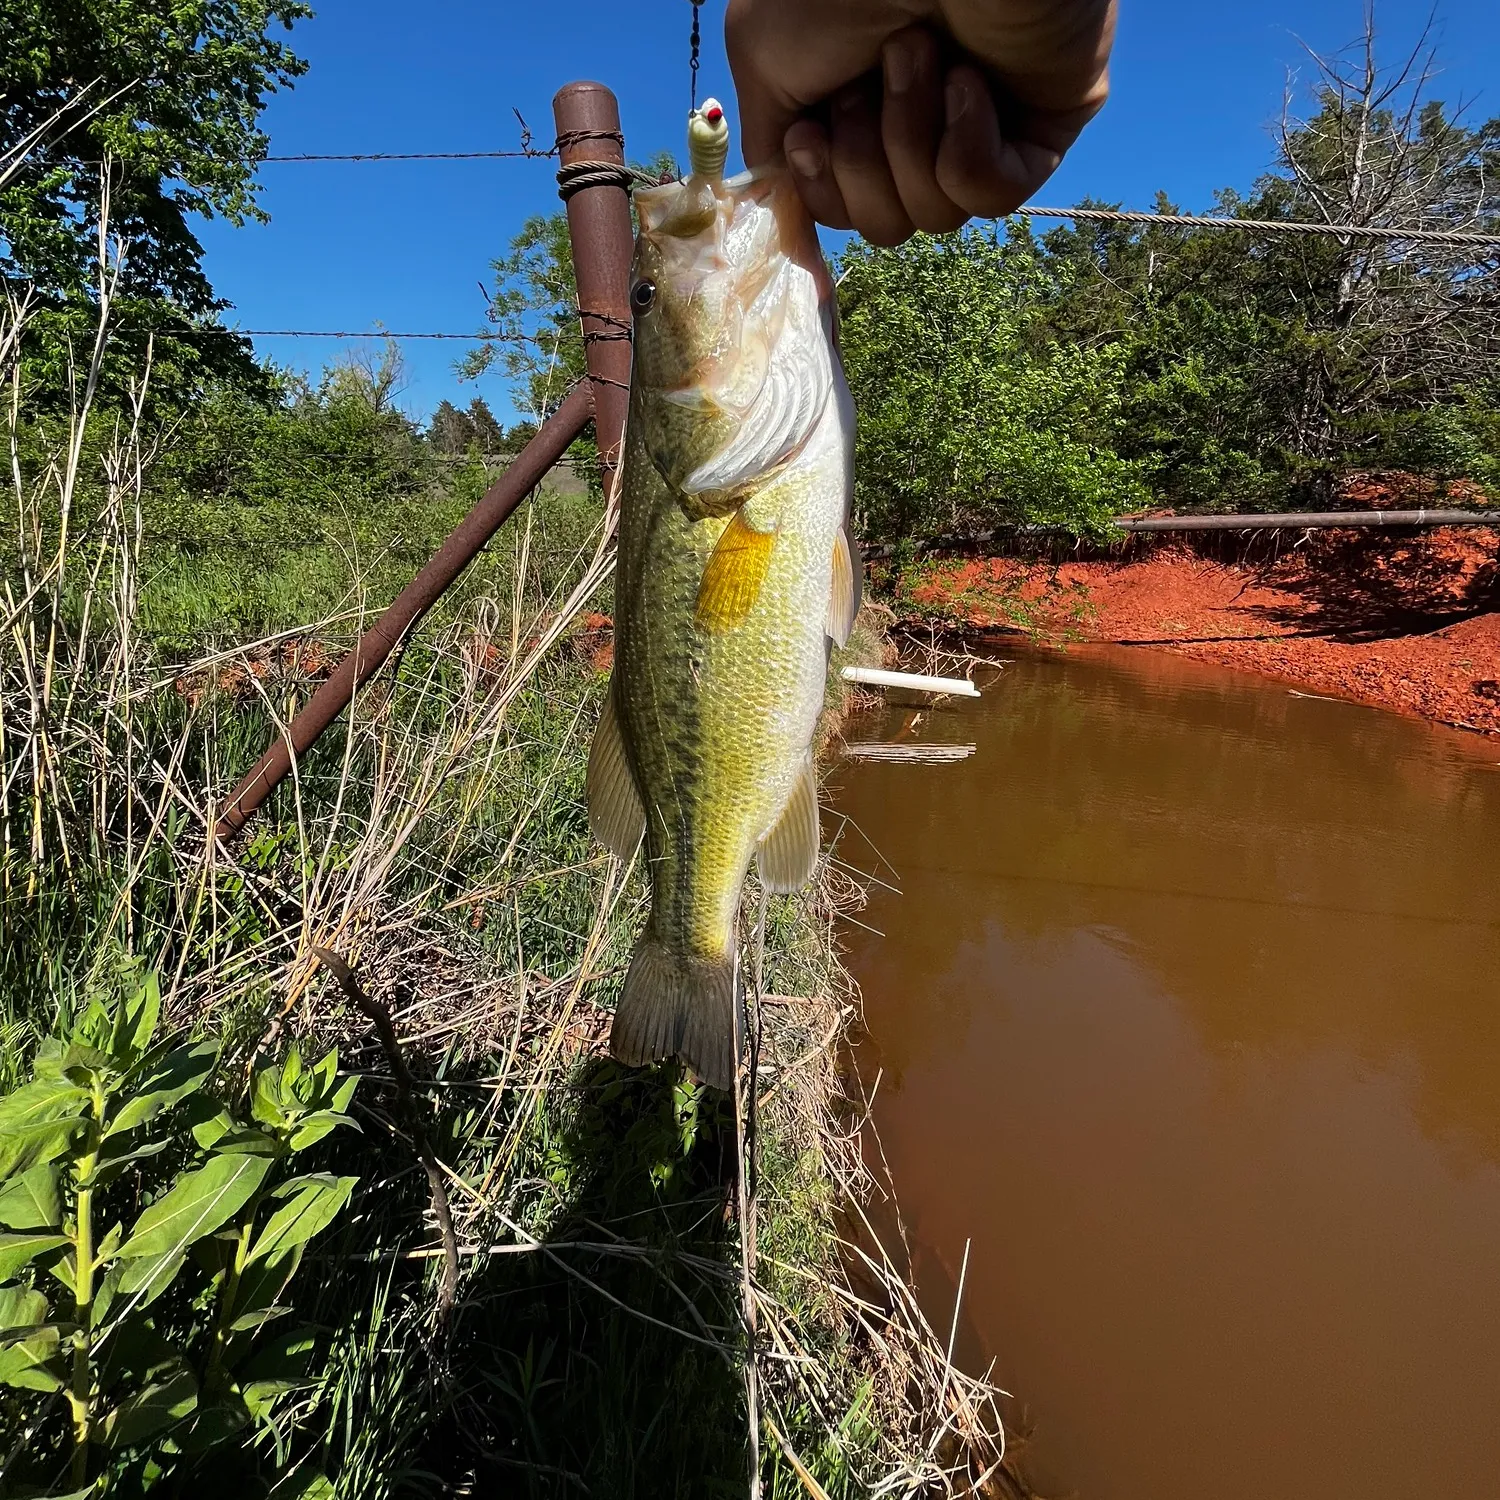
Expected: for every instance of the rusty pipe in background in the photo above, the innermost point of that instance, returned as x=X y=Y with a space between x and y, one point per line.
x=490 y=513
x=595 y=183
x=1285 y=520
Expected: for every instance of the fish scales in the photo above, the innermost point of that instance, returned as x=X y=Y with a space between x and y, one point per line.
x=734 y=571
x=718 y=723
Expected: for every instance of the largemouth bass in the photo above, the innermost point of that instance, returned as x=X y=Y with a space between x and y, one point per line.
x=735 y=570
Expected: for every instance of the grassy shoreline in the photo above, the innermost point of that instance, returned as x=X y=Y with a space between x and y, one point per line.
x=436 y=841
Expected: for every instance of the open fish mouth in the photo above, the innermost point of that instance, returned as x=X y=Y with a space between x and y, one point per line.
x=706 y=234
x=732 y=356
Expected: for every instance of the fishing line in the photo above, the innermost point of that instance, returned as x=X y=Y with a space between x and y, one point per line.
x=695 y=47
x=746 y=1089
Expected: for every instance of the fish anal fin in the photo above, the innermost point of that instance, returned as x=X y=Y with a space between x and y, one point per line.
x=843 y=602
x=616 y=814
x=677 y=1004
x=788 y=854
x=734 y=575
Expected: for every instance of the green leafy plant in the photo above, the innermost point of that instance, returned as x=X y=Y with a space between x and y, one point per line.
x=172 y=1227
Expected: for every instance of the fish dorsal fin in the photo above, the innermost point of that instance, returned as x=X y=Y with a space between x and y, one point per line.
x=616 y=813
x=779 y=417
x=734 y=574
x=843 y=602
x=788 y=854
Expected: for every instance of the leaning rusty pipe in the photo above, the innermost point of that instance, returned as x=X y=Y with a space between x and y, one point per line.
x=490 y=512
x=594 y=182
x=1314 y=520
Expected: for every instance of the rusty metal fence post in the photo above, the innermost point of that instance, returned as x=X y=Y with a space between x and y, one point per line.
x=594 y=181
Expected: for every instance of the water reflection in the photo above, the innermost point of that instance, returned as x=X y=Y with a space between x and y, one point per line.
x=1191 y=991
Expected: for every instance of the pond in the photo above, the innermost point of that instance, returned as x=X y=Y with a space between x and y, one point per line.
x=1186 y=1018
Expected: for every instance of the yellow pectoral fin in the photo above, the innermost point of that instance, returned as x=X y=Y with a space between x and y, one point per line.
x=734 y=575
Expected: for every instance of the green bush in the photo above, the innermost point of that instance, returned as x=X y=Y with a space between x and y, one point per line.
x=151 y=1233
x=970 y=417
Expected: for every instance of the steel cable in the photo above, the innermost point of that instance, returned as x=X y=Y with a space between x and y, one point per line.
x=1474 y=238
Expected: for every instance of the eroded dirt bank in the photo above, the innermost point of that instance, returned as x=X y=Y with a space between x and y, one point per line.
x=1408 y=622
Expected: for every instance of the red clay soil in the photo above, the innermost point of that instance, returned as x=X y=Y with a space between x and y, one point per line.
x=1408 y=622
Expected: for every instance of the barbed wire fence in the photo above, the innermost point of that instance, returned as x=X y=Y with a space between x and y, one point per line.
x=1405 y=235
x=1478 y=239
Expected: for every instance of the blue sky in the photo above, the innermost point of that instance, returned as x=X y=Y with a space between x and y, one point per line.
x=1196 y=87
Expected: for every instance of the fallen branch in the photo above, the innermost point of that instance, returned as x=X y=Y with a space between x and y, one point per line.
x=406 y=1087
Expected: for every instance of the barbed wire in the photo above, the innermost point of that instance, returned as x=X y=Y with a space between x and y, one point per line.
x=409 y=156
x=525 y=151
x=615 y=329
x=616 y=175
x=487 y=460
x=1474 y=239
x=379 y=333
x=213 y=330
x=1477 y=239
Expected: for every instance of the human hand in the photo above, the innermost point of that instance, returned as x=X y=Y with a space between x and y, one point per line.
x=900 y=115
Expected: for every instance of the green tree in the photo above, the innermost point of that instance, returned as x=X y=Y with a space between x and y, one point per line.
x=154 y=107
x=1209 y=347
x=260 y=509
x=488 y=433
x=970 y=415
x=517 y=435
x=1261 y=368
x=534 y=311
x=450 y=432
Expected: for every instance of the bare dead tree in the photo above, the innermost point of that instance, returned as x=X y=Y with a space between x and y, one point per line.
x=1379 y=151
x=378 y=376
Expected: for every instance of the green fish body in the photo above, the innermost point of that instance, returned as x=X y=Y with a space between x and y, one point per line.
x=734 y=572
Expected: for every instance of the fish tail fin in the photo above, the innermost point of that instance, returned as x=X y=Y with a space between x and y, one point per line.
x=677 y=1004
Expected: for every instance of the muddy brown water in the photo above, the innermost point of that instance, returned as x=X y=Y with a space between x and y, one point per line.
x=1187 y=1020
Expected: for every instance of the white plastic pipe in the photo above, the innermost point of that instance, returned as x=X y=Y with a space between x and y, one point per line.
x=878 y=677
x=917 y=753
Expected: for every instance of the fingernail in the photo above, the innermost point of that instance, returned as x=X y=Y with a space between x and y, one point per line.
x=899 y=67
x=956 y=99
x=805 y=161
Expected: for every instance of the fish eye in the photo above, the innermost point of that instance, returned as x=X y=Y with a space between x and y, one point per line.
x=642 y=295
